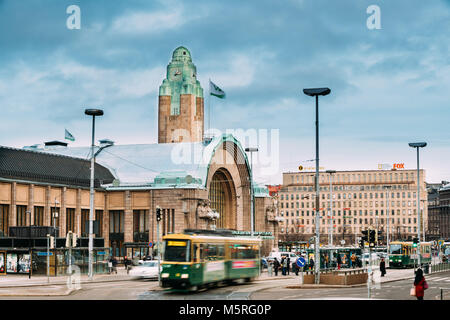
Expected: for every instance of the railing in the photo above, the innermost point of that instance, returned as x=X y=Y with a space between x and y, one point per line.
x=442 y=292
x=440 y=267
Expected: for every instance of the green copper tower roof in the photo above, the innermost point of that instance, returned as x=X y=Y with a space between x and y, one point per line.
x=181 y=78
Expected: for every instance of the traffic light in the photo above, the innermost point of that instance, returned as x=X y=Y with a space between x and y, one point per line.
x=372 y=238
x=361 y=243
x=52 y=242
x=69 y=239
x=158 y=214
x=365 y=236
x=415 y=242
x=74 y=240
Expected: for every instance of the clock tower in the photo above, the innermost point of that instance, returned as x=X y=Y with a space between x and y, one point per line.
x=181 y=103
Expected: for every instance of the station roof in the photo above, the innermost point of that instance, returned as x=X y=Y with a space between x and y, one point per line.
x=36 y=166
x=156 y=166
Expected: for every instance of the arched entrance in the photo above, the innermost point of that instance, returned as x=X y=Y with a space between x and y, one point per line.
x=222 y=196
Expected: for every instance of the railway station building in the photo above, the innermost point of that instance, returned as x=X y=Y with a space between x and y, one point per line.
x=190 y=177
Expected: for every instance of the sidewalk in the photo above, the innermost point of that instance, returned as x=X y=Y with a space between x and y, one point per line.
x=390 y=276
x=21 y=285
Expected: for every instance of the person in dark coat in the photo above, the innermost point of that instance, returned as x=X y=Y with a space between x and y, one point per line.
x=339 y=261
x=420 y=284
x=382 y=267
x=114 y=264
x=276 y=266
x=311 y=263
x=288 y=265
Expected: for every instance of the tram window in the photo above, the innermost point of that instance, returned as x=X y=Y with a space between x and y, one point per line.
x=396 y=249
x=242 y=251
x=177 y=250
x=212 y=252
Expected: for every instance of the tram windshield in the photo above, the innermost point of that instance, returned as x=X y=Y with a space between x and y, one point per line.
x=177 y=250
x=395 y=249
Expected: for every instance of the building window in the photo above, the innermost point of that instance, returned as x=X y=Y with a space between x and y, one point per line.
x=21 y=218
x=4 y=214
x=84 y=222
x=38 y=216
x=70 y=219
x=116 y=221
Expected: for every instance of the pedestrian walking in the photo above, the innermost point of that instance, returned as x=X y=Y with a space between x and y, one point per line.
x=420 y=284
x=110 y=266
x=353 y=260
x=276 y=266
x=126 y=262
x=283 y=265
x=288 y=265
x=114 y=265
x=339 y=261
x=311 y=264
x=382 y=267
x=326 y=261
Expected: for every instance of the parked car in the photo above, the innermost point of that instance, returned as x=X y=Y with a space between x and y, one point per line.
x=146 y=270
x=375 y=259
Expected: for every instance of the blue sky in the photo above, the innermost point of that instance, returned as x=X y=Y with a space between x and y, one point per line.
x=389 y=86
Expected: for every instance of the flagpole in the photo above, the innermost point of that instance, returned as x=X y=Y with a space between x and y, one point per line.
x=209 y=105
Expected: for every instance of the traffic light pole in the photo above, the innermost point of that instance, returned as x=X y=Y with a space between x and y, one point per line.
x=158 y=219
x=48 y=258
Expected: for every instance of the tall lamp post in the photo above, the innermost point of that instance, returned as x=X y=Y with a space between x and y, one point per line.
x=252 y=204
x=316 y=92
x=330 y=212
x=94 y=113
x=418 y=145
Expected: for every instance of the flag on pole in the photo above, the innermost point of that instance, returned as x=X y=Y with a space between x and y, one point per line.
x=69 y=136
x=216 y=91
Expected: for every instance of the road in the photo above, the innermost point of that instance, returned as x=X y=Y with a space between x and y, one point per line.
x=258 y=290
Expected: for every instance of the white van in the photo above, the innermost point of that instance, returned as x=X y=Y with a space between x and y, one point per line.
x=278 y=254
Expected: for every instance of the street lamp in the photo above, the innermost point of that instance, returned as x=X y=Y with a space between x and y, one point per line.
x=29 y=244
x=418 y=145
x=316 y=92
x=94 y=113
x=252 y=209
x=423 y=219
x=330 y=212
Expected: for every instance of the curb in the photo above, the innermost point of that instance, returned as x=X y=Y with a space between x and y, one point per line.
x=38 y=294
x=59 y=283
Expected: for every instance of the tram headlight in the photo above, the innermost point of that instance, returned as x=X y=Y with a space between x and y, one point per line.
x=184 y=276
x=164 y=275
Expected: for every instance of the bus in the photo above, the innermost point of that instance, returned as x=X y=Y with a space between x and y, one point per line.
x=402 y=254
x=197 y=259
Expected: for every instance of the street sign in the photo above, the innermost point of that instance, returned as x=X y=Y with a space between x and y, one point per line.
x=101 y=253
x=150 y=244
x=44 y=254
x=301 y=262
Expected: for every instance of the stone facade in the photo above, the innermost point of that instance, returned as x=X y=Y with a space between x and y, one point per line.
x=188 y=207
x=359 y=202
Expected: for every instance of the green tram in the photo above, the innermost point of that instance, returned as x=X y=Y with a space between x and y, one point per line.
x=194 y=260
x=402 y=254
